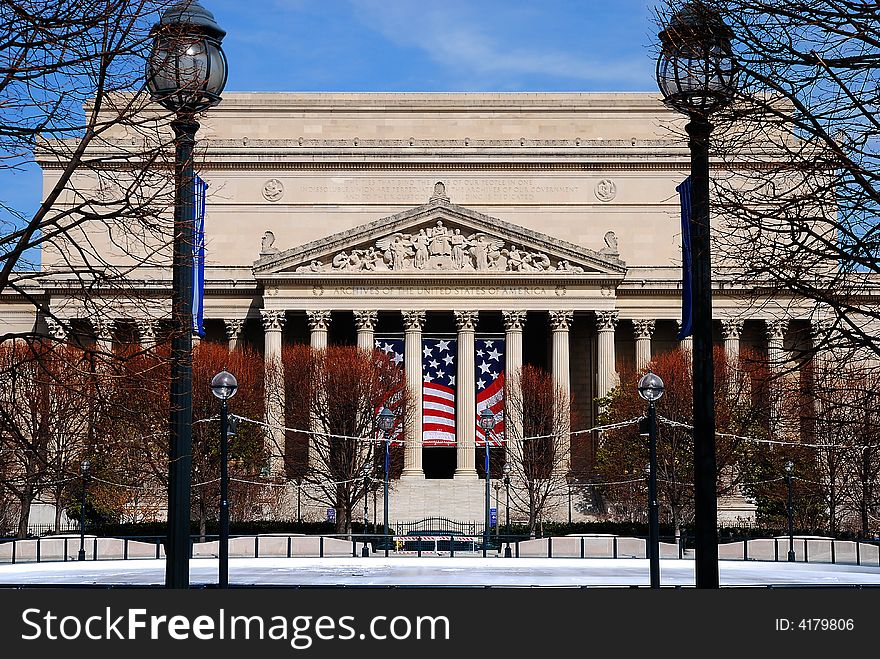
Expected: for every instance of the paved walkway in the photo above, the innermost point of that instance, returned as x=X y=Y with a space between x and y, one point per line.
x=438 y=571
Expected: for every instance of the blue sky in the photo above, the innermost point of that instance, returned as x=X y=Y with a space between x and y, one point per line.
x=412 y=45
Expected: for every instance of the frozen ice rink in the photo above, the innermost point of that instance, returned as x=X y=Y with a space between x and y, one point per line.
x=437 y=571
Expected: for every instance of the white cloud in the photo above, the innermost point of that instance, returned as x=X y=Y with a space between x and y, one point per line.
x=477 y=40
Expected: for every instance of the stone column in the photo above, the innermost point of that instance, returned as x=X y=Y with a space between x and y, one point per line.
x=514 y=321
x=560 y=322
x=273 y=323
x=606 y=377
x=778 y=386
x=465 y=397
x=687 y=343
x=234 y=327
x=644 y=329
x=319 y=324
x=103 y=335
x=413 y=322
x=730 y=331
x=365 y=321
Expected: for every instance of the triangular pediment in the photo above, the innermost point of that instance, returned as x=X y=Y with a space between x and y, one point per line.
x=442 y=238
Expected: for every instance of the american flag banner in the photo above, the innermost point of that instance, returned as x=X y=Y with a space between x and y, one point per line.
x=393 y=348
x=438 y=392
x=489 y=378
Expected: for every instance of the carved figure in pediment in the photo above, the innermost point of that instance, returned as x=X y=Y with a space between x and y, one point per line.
x=460 y=257
x=486 y=251
x=314 y=266
x=400 y=250
x=420 y=242
x=439 y=245
x=540 y=261
x=565 y=266
x=516 y=260
x=340 y=261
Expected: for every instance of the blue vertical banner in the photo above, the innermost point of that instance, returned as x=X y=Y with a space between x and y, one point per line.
x=198 y=307
x=687 y=320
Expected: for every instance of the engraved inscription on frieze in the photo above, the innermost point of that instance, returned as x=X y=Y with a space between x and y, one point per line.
x=440 y=248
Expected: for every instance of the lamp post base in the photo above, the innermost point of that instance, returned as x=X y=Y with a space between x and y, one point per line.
x=507 y=552
x=81 y=556
x=791 y=556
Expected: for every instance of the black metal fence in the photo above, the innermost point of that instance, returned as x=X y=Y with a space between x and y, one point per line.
x=805 y=550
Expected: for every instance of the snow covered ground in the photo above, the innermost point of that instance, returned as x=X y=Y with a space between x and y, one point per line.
x=438 y=571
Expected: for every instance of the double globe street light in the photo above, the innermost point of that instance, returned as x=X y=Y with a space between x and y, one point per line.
x=696 y=73
x=224 y=386
x=386 y=421
x=487 y=423
x=186 y=72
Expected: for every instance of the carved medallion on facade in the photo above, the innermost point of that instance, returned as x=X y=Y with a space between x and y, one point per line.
x=606 y=190
x=273 y=190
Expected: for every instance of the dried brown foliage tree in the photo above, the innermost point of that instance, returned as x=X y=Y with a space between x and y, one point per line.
x=45 y=396
x=338 y=392
x=741 y=408
x=537 y=451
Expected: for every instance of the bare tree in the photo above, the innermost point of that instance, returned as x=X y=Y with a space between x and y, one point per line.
x=797 y=194
x=72 y=99
x=537 y=451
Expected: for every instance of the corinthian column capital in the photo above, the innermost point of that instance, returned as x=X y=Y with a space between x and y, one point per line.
x=366 y=320
x=561 y=321
x=273 y=320
x=413 y=321
x=319 y=320
x=466 y=320
x=514 y=321
x=644 y=329
x=606 y=321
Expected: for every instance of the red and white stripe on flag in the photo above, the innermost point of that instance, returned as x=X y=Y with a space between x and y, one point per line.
x=489 y=362
x=438 y=392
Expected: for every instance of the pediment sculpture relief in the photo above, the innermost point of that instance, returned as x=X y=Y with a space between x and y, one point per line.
x=441 y=248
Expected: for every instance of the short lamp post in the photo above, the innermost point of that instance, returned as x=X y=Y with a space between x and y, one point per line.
x=223 y=386
x=365 y=551
x=696 y=73
x=84 y=468
x=186 y=73
x=651 y=389
x=386 y=421
x=506 y=470
x=789 y=470
x=487 y=423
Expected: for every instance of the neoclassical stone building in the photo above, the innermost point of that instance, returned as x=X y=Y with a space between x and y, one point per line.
x=549 y=221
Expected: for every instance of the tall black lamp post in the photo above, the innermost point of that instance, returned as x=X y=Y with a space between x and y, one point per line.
x=651 y=389
x=223 y=386
x=696 y=73
x=386 y=422
x=84 y=467
x=487 y=422
x=789 y=470
x=506 y=470
x=186 y=73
